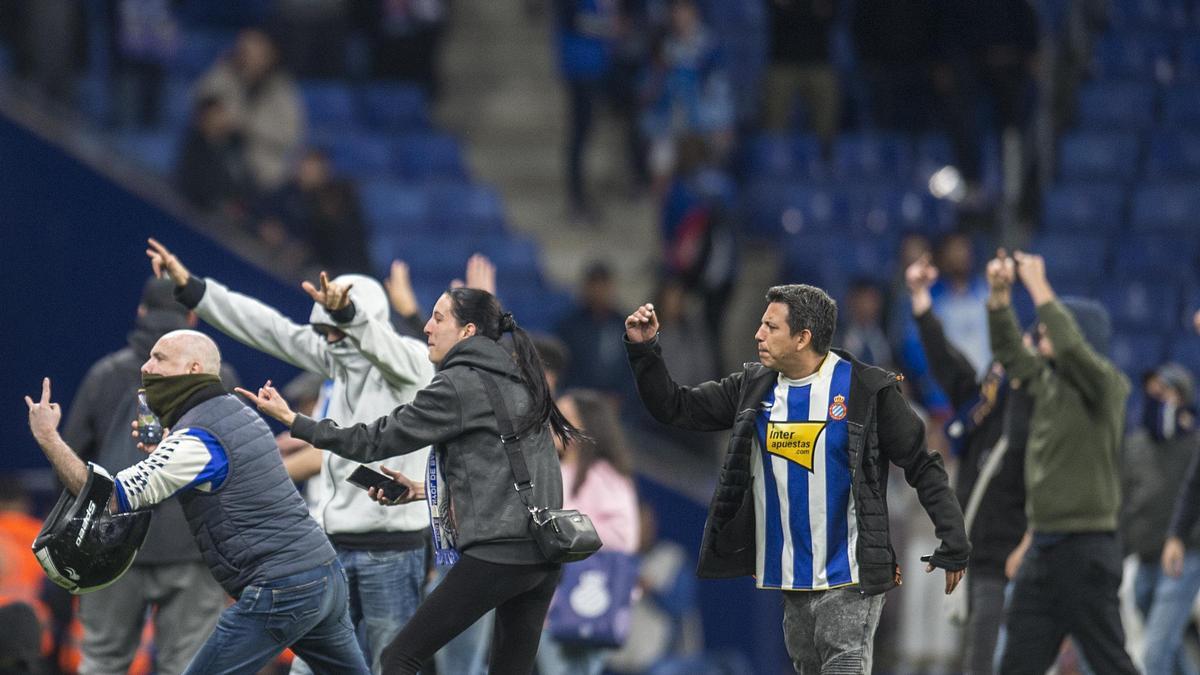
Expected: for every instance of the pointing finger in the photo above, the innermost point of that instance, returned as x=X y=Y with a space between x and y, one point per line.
x=245 y=393
x=311 y=290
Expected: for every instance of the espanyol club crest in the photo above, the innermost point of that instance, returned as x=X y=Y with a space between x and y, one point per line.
x=837 y=409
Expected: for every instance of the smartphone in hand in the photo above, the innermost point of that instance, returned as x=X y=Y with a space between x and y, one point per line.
x=366 y=478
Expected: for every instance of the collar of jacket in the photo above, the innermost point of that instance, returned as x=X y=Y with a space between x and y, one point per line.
x=869 y=379
x=201 y=395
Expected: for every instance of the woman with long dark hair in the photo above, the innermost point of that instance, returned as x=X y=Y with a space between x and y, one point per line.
x=476 y=512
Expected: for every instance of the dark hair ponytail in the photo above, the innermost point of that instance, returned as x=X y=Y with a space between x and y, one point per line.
x=470 y=305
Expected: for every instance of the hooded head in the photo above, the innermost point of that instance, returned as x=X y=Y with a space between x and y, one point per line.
x=366 y=293
x=1170 y=396
x=1092 y=319
x=158 y=313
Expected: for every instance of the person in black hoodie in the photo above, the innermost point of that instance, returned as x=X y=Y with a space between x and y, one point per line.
x=987 y=434
x=476 y=512
x=168 y=574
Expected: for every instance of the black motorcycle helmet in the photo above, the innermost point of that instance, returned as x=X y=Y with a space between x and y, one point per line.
x=82 y=546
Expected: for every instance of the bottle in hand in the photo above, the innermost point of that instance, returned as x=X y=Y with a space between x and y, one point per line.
x=150 y=431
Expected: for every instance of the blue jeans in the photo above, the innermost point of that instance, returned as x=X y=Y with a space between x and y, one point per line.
x=556 y=658
x=385 y=589
x=1165 y=604
x=307 y=612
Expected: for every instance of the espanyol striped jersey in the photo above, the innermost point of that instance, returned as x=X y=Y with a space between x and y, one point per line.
x=807 y=530
x=185 y=460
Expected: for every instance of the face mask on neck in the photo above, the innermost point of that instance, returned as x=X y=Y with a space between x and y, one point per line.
x=165 y=395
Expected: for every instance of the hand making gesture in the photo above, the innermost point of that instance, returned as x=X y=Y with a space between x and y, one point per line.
x=332 y=295
x=163 y=260
x=642 y=325
x=271 y=403
x=44 y=415
x=920 y=277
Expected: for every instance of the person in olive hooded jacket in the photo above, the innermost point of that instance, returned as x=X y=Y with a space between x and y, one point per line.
x=469 y=485
x=1067 y=583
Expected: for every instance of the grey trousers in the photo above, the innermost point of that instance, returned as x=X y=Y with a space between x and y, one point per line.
x=983 y=622
x=188 y=603
x=831 y=632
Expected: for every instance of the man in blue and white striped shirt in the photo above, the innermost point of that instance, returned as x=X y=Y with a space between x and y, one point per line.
x=802 y=500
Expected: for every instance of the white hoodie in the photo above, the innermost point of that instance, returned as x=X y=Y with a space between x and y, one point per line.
x=373 y=371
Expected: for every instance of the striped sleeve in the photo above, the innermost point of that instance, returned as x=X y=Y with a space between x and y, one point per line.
x=187 y=459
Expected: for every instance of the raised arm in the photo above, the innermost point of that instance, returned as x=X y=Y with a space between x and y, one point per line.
x=44 y=417
x=241 y=317
x=711 y=406
x=953 y=372
x=434 y=416
x=1007 y=347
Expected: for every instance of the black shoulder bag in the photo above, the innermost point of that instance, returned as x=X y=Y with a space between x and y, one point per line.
x=563 y=535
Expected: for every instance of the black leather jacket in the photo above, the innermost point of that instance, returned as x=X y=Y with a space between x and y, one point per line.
x=883 y=428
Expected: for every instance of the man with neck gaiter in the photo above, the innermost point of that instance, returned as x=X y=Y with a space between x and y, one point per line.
x=1067 y=582
x=252 y=527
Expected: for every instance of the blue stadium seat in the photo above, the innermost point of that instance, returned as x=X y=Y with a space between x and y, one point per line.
x=177 y=104
x=1137 y=352
x=876 y=156
x=1173 y=155
x=1097 y=155
x=1189 y=56
x=1185 y=349
x=394 y=107
x=329 y=105
x=1116 y=105
x=152 y=150
x=782 y=207
x=1150 y=14
x=1142 y=56
x=1073 y=258
x=199 y=49
x=429 y=157
x=243 y=13
x=1167 y=207
x=1156 y=256
x=394 y=206
x=1150 y=305
x=1082 y=207
x=1181 y=106
x=359 y=155
x=890 y=210
x=784 y=155
x=464 y=208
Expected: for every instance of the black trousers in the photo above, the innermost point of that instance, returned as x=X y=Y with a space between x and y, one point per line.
x=520 y=594
x=1067 y=588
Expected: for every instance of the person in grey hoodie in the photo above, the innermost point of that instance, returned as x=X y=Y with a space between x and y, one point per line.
x=476 y=511
x=373 y=369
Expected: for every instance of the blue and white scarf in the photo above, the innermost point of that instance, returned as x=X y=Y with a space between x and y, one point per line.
x=440 y=514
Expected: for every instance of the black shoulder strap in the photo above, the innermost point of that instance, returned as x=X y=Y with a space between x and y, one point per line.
x=508 y=438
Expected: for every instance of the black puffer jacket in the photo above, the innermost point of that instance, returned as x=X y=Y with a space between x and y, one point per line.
x=883 y=428
x=453 y=415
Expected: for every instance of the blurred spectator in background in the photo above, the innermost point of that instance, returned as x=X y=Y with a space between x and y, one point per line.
x=686 y=91
x=404 y=38
x=25 y=639
x=263 y=103
x=958 y=300
x=666 y=624
x=168 y=581
x=592 y=334
x=1153 y=470
x=144 y=37
x=555 y=358
x=894 y=41
x=700 y=245
x=211 y=171
x=985 y=54
x=304 y=392
x=690 y=354
x=49 y=42
x=313 y=36
x=801 y=31
x=906 y=339
x=988 y=435
x=597 y=477
x=323 y=213
x=637 y=22
x=584 y=31
x=863 y=333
